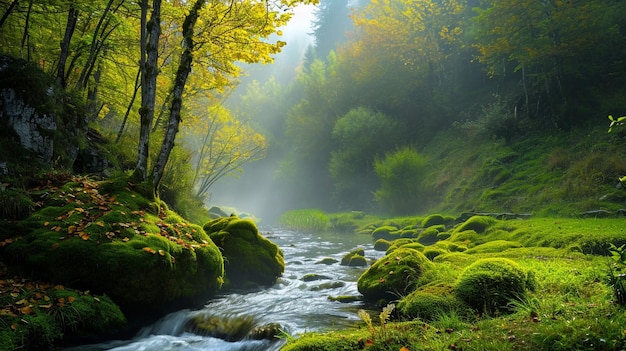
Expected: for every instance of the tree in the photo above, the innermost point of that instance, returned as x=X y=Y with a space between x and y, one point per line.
x=227 y=32
x=361 y=136
x=401 y=172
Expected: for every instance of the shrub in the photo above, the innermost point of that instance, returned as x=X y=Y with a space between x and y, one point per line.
x=401 y=175
x=489 y=284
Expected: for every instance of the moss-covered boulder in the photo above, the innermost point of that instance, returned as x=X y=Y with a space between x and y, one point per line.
x=479 y=224
x=231 y=328
x=433 y=219
x=394 y=275
x=404 y=242
x=107 y=238
x=382 y=245
x=37 y=315
x=387 y=232
x=354 y=258
x=249 y=257
x=431 y=301
x=490 y=284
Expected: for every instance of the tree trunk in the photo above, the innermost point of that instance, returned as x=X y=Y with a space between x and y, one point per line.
x=8 y=12
x=184 y=68
x=25 y=36
x=94 y=49
x=130 y=105
x=72 y=17
x=150 y=33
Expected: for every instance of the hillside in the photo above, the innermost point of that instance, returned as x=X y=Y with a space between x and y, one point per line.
x=550 y=173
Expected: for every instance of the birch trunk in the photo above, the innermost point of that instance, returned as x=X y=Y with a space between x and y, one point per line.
x=150 y=33
x=184 y=68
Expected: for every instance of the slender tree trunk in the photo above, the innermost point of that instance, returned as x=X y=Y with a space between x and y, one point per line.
x=130 y=105
x=184 y=68
x=150 y=33
x=8 y=12
x=26 y=35
x=95 y=44
x=72 y=18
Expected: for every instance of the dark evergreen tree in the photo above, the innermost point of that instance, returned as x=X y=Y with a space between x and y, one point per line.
x=331 y=23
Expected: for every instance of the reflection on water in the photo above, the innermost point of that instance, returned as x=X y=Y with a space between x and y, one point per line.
x=297 y=305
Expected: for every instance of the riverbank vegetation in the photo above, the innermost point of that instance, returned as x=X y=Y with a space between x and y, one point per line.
x=493 y=284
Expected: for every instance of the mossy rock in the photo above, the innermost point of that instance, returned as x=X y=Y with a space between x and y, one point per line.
x=110 y=243
x=428 y=236
x=494 y=246
x=42 y=315
x=404 y=242
x=382 y=245
x=431 y=301
x=313 y=277
x=433 y=219
x=249 y=257
x=386 y=232
x=479 y=224
x=408 y=233
x=490 y=284
x=431 y=253
x=229 y=328
x=393 y=275
x=354 y=258
x=327 y=261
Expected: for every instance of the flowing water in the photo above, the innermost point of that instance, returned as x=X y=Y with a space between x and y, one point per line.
x=297 y=305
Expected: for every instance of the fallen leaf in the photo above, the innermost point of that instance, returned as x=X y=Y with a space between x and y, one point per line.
x=71 y=299
x=150 y=250
x=26 y=310
x=404 y=349
x=55 y=245
x=161 y=252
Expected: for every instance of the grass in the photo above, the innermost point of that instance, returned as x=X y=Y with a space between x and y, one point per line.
x=572 y=307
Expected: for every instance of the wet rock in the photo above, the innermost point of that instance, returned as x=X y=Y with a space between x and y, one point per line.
x=327 y=261
x=231 y=328
x=354 y=258
x=313 y=277
x=329 y=285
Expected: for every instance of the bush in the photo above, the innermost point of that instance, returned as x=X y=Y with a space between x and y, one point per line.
x=490 y=284
x=401 y=174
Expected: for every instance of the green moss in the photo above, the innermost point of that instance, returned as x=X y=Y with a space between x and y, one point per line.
x=479 y=224
x=404 y=242
x=386 y=232
x=395 y=274
x=431 y=253
x=123 y=251
x=249 y=257
x=354 y=258
x=428 y=236
x=431 y=301
x=489 y=285
x=494 y=246
x=382 y=245
x=433 y=219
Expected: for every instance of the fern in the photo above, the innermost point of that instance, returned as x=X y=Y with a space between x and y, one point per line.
x=368 y=321
x=384 y=317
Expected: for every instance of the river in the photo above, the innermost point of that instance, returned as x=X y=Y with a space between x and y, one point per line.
x=296 y=304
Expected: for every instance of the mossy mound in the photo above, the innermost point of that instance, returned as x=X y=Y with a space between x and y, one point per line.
x=433 y=219
x=354 y=258
x=382 y=245
x=249 y=257
x=431 y=301
x=479 y=224
x=490 y=284
x=404 y=242
x=36 y=315
x=386 y=232
x=494 y=246
x=107 y=238
x=394 y=275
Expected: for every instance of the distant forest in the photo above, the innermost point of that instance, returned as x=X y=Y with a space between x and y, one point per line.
x=380 y=81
